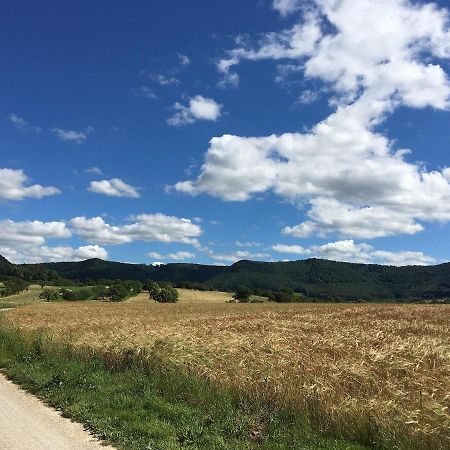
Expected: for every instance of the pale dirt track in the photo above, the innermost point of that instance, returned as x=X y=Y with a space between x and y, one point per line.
x=27 y=424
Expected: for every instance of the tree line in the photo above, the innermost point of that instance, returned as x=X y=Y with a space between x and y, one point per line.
x=112 y=291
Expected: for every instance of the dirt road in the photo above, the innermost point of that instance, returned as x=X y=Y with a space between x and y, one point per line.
x=27 y=424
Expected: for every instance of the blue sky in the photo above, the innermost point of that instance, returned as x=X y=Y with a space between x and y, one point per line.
x=211 y=131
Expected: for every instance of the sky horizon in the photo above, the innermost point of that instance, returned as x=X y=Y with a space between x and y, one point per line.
x=214 y=131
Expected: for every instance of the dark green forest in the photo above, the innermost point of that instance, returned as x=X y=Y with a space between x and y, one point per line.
x=311 y=278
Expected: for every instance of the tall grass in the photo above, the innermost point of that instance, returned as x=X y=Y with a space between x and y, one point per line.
x=378 y=374
x=135 y=403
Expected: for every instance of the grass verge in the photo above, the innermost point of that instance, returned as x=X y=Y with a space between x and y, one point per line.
x=6 y=305
x=133 y=407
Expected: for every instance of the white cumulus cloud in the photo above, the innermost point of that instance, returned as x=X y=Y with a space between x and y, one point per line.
x=177 y=256
x=94 y=170
x=237 y=256
x=144 y=227
x=349 y=177
x=293 y=249
x=198 y=108
x=26 y=242
x=113 y=188
x=31 y=232
x=350 y=251
x=52 y=254
x=15 y=185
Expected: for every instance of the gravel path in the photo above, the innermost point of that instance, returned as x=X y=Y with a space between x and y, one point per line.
x=28 y=424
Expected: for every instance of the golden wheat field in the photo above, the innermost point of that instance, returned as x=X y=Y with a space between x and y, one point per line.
x=381 y=370
x=190 y=296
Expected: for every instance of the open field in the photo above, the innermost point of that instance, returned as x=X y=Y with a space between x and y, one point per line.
x=376 y=373
x=31 y=295
x=189 y=296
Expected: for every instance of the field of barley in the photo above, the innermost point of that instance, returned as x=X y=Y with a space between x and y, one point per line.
x=190 y=296
x=379 y=374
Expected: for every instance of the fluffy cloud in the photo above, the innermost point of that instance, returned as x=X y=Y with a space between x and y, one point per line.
x=237 y=256
x=349 y=251
x=330 y=216
x=94 y=170
x=292 y=249
x=27 y=241
x=403 y=258
x=21 y=124
x=177 y=256
x=24 y=242
x=145 y=227
x=199 y=108
x=14 y=186
x=97 y=230
x=351 y=179
x=113 y=188
x=52 y=254
x=31 y=232
x=79 y=137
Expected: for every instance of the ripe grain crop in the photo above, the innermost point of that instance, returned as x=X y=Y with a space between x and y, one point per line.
x=190 y=296
x=379 y=374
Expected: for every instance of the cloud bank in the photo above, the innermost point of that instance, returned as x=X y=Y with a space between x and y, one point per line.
x=350 y=179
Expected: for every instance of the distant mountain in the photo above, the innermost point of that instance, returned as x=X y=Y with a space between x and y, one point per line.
x=313 y=277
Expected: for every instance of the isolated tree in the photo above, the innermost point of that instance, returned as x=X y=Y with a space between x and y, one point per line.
x=147 y=286
x=242 y=294
x=49 y=294
x=153 y=290
x=117 y=292
x=168 y=294
x=163 y=294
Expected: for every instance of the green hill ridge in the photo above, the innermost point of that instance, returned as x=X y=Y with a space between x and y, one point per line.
x=315 y=278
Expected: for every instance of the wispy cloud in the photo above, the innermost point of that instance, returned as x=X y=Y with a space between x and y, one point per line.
x=145 y=92
x=79 y=137
x=183 y=59
x=164 y=80
x=307 y=97
x=21 y=124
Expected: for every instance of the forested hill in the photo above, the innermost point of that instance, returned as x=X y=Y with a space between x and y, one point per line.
x=313 y=277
